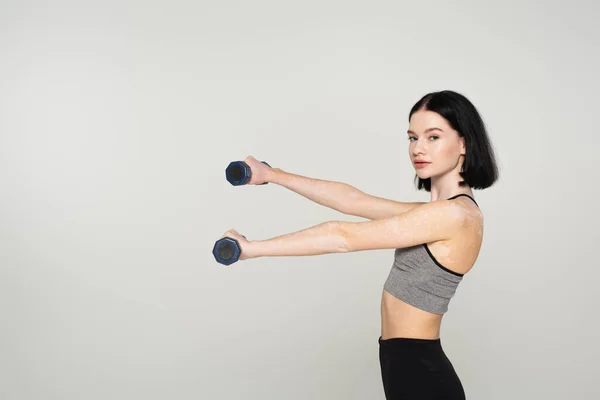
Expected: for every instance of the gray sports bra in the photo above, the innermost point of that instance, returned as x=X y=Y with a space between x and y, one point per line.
x=418 y=279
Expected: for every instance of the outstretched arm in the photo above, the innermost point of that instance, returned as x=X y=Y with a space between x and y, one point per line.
x=339 y=196
x=427 y=223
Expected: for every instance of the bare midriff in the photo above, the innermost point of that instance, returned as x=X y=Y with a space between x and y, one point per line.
x=401 y=320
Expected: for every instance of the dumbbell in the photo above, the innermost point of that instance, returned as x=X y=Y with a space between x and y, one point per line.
x=227 y=250
x=239 y=173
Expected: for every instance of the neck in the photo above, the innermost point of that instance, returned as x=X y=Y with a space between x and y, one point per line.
x=446 y=186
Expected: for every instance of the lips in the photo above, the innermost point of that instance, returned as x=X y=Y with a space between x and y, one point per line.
x=421 y=164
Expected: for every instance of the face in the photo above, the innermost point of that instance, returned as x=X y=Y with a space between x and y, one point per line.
x=434 y=143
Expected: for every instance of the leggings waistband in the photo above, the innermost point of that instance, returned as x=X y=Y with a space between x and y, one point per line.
x=403 y=343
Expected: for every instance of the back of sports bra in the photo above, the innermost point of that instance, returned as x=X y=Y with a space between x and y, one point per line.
x=418 y=279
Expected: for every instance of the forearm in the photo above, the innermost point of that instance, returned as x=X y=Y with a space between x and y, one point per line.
x=324 y=238
x=336 y=195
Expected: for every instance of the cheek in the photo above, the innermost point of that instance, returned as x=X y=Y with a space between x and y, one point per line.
x=448 y=151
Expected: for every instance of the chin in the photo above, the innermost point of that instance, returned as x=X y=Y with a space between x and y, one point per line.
x=423 y=175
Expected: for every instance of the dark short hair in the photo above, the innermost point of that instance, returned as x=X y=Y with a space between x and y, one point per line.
x=479 y=169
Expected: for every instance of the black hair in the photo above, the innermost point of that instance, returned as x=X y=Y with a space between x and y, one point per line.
x=479 y=169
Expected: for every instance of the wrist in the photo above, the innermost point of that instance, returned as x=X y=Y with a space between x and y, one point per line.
x=252 y=250
x=274 y=174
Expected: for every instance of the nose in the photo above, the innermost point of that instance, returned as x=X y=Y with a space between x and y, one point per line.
x=419 y=147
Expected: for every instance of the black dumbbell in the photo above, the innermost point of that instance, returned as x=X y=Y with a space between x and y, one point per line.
x=239 y=173
x=227 y=250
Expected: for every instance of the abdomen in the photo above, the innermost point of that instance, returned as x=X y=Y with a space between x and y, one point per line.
x=400 y=319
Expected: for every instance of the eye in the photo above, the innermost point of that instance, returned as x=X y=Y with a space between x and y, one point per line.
x=410 y=138
x=434 y=136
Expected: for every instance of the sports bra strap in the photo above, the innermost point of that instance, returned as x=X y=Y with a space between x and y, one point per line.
x=464 y=194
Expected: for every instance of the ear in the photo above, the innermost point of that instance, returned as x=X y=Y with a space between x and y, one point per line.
x=463 y=146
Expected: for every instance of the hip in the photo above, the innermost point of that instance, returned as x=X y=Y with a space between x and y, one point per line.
x=413 y=368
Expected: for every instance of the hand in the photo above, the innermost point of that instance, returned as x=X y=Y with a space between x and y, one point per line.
x=260 y=172
x=245 y=244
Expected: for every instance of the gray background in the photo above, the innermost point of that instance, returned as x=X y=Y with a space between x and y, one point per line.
x=117 y=120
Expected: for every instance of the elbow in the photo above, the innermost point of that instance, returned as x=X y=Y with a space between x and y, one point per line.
x=341 y=242
x=344 y=248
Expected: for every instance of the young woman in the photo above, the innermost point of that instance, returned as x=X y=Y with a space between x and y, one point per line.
x=436 y=243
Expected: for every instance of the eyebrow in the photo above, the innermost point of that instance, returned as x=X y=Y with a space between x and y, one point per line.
x=426 y=130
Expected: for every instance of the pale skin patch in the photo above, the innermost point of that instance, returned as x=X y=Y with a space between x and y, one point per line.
x=443 y=250
x=473 y=218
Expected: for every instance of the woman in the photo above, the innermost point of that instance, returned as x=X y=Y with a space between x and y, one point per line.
x=436 y=243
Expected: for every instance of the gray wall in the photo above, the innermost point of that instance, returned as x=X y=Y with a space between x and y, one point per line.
x=117 y=120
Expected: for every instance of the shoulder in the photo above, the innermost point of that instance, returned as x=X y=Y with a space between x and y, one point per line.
x=455 y=210
x=463 y=214
x=451 y=216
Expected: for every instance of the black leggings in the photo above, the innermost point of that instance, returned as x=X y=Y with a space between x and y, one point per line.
x=417 y=369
